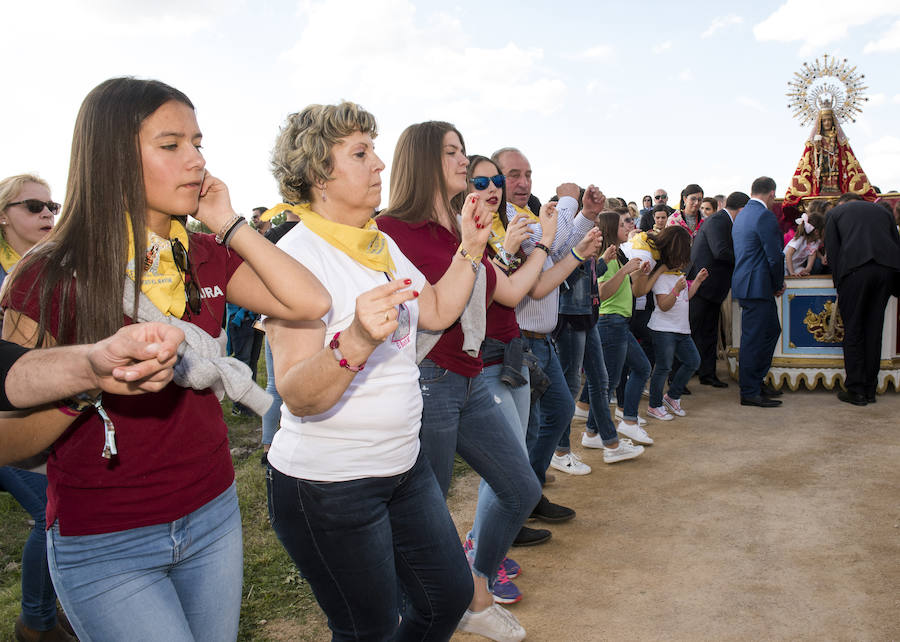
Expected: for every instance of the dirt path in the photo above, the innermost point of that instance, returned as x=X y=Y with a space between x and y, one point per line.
x=738 y=524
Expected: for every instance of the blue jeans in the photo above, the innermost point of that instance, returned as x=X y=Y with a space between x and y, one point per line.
x=354 y=540
x=38 y=596
x=667 y=346
x=552 y=413
x=272 y=419
x=515 y=404
x=179 y=581
x=621 y=348
x=579 y=349
x=460 y=415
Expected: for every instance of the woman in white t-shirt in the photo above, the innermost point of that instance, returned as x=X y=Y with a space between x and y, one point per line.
x=669 y=324
x=350 y=496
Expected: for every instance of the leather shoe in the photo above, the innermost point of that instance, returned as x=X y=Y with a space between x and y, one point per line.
x=852 y=397
x=762 y=402
x=547 y=511
x=766 y=390
x=870 y=398
x=531 y=536
x=27 y=634
x=715 y=382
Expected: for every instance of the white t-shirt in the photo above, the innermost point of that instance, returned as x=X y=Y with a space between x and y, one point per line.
x=802 y=249
x=644 y=254
x=676 y=318
x=373 y=430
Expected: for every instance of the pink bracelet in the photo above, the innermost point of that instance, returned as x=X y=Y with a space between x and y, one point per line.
x=342 y=362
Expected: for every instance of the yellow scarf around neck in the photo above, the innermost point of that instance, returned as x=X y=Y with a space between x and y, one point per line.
x=498 y=232
x=8 y=256
x=365 y=245
x=527 y=213
x=162 y=281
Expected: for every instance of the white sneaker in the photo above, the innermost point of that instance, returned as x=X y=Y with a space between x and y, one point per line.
x=634 y=432
x=580 y=413
x=659 y=413
x=621 y=415
x=625 y=450
x=569 y=463
x=592 y=441
x=674 y=406
x=494 y=623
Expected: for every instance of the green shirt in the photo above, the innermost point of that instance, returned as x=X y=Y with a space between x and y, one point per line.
x=620 y=302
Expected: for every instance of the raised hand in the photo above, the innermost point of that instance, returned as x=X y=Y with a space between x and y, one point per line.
x=590 y=244
x=516 y=232
x=215 y=208
x=632 y=265
x=593 y=202
x=702 y=275
x=680 y=284
x=609 y=253
x=549 y=220
x=475 y=225
x=377 y=311
x=568 y=189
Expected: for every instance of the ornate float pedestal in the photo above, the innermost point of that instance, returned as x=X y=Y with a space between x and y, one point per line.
x=809 y=350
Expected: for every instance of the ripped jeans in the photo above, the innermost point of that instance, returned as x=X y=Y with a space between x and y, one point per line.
x=460 y=414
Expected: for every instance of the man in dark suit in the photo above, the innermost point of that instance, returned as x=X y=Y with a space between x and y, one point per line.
x=863 y=249
x=712 y=249
x=758 y=278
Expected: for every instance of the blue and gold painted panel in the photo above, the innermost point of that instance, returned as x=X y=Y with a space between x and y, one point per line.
x=810 y=322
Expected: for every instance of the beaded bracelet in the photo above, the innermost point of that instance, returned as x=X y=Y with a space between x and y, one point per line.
x=463 y=252
x=220 y=236
x=541 y=246
x=342 y=362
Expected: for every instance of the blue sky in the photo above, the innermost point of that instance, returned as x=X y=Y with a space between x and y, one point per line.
x=630 y=96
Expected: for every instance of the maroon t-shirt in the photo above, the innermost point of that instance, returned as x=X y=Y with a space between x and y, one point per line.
x=173 y=445
x=431 y=248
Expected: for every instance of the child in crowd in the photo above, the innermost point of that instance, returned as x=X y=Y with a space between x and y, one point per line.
x=669 y=324
x=800 y=252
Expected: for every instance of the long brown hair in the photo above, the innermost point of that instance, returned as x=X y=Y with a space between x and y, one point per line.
x=417 y=172
x=91 y=240
x=674 y=247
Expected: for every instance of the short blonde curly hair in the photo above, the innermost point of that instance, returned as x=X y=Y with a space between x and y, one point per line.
x=302 y=154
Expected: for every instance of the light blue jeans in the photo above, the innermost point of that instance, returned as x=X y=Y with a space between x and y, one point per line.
x=460 y=414
x=272 y=419
x=621 y=348
x=178 y=582
x=668 y=346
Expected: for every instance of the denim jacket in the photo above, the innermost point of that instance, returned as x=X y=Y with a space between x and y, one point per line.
x=578 y=291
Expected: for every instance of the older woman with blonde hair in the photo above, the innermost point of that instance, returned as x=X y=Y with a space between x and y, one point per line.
x=351 y=497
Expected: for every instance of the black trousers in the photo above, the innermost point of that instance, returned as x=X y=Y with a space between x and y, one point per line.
x=704 y=317
x=862 y=299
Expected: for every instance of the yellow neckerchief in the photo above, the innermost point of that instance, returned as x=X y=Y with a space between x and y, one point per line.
x=8 y=256
x=498 y=232
x=365 y=245
x=527 y=213
x=162 y=282
x=642 y=241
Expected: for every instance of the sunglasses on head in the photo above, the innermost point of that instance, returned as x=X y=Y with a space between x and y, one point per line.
x=183 y=263
x=481 y=182
x=36 y=206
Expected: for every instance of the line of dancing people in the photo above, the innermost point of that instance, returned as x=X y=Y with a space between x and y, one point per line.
x=394 y=343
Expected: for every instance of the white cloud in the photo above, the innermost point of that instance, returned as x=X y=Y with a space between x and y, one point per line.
x=661 y=47
x=720 y=23
x=395 y=58
x=890 y=41
x=600 y=52
x=896 y=99
x=685 y=75
x=752 y=103
x=876 y=100
x=817 y=23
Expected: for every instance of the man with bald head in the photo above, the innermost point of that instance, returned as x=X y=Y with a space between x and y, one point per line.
x=537 y=318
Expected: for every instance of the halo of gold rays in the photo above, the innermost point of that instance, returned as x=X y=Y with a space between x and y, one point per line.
x=827 y=83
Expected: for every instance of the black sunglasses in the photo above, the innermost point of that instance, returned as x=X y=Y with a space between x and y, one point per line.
x=659 y=198
x=183 y=263
x=36 y=207
x=481 y=182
